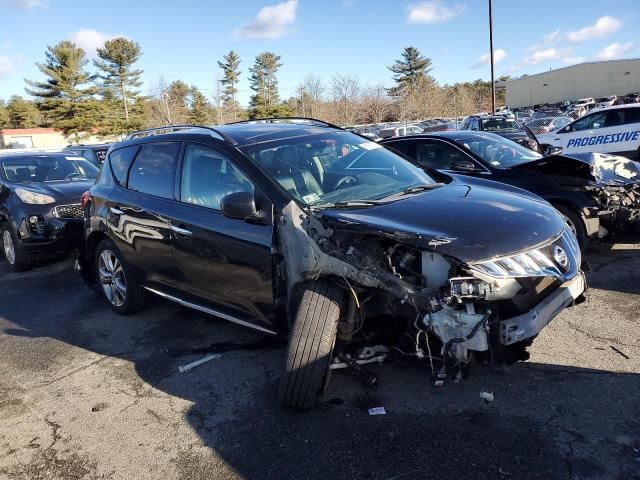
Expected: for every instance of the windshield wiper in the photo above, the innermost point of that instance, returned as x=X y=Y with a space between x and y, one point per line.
x=347 y=204
x=421 y=188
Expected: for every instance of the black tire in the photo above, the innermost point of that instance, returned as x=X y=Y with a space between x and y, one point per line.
x=311 y=344
x=19 y=260
x=134 y=298
x=576 y=224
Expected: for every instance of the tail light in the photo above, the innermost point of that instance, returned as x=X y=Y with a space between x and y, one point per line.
x=85 y=199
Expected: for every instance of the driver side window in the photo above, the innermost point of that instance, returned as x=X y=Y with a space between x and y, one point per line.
x=208 y=176
x=437 y=155
x=590 y=122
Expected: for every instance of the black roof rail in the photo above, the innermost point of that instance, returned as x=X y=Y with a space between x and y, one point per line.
x=287 y=119
x=178 y=128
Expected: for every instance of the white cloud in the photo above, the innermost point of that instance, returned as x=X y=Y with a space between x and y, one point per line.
x=7 y=66
x=551 y=37
x=498 y=56
x=432 y=11
x=603 y=27
x=274 y=21
x=90 y=40
x=615 y=50
x=26 y=4
x=540 y=56
x=573 y=60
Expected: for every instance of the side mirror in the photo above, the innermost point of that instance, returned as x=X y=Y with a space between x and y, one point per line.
x=238 y=205
x=463 y=165
x=549 y=150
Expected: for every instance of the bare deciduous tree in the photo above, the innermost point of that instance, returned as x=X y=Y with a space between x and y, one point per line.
x=345 y=91
x=375 y=104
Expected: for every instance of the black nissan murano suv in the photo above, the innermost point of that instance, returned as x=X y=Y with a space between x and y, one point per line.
x=251 y=223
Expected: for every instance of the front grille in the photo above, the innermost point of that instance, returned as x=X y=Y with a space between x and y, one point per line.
x=69 y=211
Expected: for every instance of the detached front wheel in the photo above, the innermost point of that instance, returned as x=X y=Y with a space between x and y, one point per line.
x=311 y=344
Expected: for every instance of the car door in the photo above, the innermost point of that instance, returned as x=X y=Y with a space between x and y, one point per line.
x=222 y=262
x=138 y=211
x=574 y=138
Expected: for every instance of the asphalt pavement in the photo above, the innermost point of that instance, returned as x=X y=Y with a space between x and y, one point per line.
x=87 y=394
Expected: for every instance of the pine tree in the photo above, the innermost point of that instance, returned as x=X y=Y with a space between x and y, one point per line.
x=411 y=71
x=4 y=115
x=199 y=108
x=119 y=81
x=230 y=79
x=265 y=102
x=64 y=96
x=22 y=113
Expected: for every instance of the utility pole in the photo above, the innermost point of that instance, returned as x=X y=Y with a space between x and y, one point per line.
x=165 y=96
x=493 y=82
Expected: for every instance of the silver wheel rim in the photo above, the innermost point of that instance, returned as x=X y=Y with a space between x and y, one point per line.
x=9 y=249
x=112 y=279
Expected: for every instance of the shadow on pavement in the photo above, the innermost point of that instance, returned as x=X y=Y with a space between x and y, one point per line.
x=546 y=422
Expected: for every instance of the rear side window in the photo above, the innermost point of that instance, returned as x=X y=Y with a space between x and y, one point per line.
x=154 y=170
x=120 y=161
x=401 y=146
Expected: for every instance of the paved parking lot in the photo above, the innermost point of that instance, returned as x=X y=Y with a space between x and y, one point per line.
x=88 y=394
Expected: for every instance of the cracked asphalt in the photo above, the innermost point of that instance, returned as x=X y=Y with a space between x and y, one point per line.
x=86 y=394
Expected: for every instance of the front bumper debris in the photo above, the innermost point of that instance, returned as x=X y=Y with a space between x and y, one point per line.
x=528 y=325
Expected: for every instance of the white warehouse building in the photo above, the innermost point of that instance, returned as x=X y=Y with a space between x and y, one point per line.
x=590 y=79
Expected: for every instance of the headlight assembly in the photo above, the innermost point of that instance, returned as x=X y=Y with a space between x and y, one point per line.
x=33 y=198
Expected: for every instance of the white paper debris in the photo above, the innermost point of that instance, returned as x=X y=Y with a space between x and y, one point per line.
x=487 y=396
x=377 y=411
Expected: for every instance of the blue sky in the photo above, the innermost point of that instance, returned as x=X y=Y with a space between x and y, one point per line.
x=183 y=39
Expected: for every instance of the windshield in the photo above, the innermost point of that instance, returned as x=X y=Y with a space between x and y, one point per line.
x=499 y=124
x=42 y=168
x=326 y=169
x=499 y=152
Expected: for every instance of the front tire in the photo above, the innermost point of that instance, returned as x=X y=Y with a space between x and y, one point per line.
x=17 y=259
x=311 y=344
x=115 y=280
x=575 y=224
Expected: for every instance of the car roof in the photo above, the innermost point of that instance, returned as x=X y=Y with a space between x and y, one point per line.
x=238 y=134
x=92 y=146
x=10 y=155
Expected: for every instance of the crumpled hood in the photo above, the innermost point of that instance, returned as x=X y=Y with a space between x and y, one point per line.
x=63 y=192
x=601 y=168
x=468 y=222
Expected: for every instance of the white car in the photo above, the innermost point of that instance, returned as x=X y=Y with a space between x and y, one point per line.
x=588 y=102
x=614 y=130
x=606 y=102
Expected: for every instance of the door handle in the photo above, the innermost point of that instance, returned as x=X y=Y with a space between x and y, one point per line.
x=116 y=211
x=181 y=231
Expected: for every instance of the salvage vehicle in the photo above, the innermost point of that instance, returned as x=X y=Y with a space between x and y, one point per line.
x=242 y=221
x=595 y=193
x=547 y=124
x=614 y=130
x=40 y=209
x=502 y=126
x=94 y=153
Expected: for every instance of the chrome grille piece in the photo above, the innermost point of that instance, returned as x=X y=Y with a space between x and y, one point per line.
x=69 y=211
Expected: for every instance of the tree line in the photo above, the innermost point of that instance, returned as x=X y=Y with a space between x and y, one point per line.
x=104 y=97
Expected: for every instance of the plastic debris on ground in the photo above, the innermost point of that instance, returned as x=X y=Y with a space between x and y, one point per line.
x=197 y=363
x=487 y=396
x=377 y=411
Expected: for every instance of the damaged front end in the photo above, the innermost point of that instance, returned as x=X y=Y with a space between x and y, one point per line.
x=415 y=297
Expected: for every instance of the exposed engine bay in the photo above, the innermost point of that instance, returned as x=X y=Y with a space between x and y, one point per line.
x=405 y=296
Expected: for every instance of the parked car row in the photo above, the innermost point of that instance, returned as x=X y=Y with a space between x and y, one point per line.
x=434 y=247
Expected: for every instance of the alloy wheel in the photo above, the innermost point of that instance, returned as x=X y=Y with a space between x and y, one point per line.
x=9 y=248
x=571 y=225
x=112 y=278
